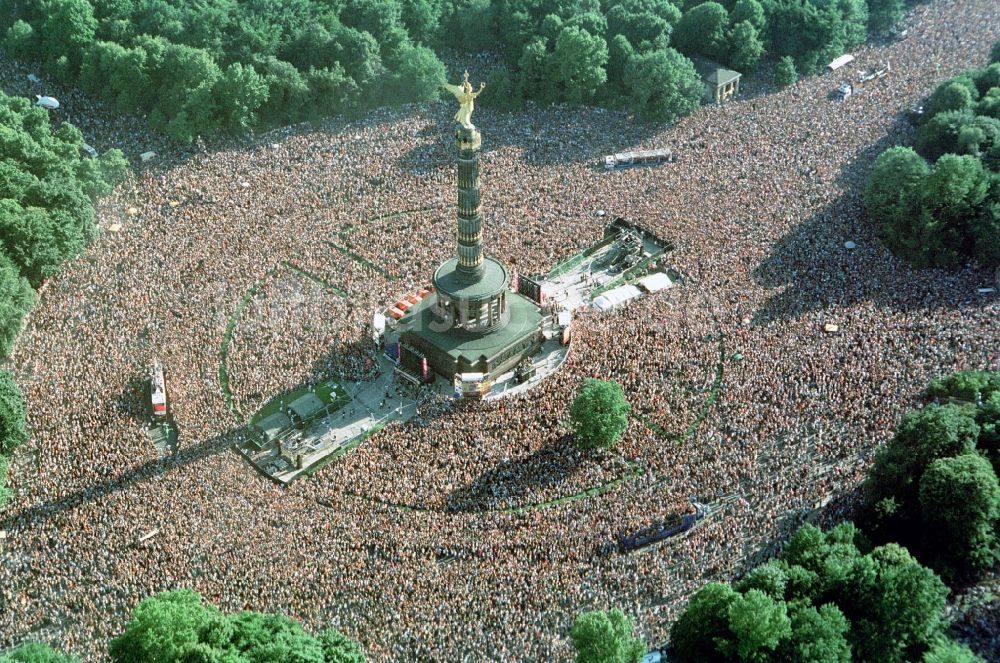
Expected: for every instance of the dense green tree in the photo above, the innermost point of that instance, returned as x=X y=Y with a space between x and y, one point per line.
x=985 y=228
x=36 y=653
x=599 y=414
x=422 y=19
x=501 y=92
x=662 y=85
x=250 y=38
x=853 y=23
x=338 y=648
x=359 y=54
x=163 y=628
x=960 y=505
x=981 y=139
x=468 y=25
x=263 y=638
x=745 y=47
x=330 y=91
x=316 y=44
x=65 y=197
x=956 y=94
x=803 y=30
x=892 y=485
x=928 y=216
x=382 y=19
x=770 y=578
x=895 y=606
x=121 y=75
x=949 y=651
x=605 y=637
x=954 y=192
x=238 y=94
x=750 y=11
x=988 y=418
x=16 y=297
x=34 y=241
x=702 y=30
x=21 y=41
x=986 y=78
x=820 y=564
x=287 y=91
x=550 y=27
x=418 y=76
x=190 y=66
x=13 y=421
x=69 y=27
x=703 y=624
x=160 y=18
x=894 y=199
x=594 y=23
x=643 y=20
x=784 y=71
x=884 y=14
x=577 y=64
x=758 y=624
x=5 y=492
x=940 y=134
x=535 y=81
x=971 y=386
x=876 y=606
x=995 y=52
x=177 y=626
x=15 y=181
x=818 y=636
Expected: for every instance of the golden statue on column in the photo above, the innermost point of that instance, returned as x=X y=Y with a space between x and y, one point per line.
x=466 y=98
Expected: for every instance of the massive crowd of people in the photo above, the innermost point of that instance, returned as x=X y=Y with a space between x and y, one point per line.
x=759 y=205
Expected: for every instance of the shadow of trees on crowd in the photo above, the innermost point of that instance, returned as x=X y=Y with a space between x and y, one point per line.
x=547 y=467
x=549 y=135
x=186 y=456
x=818 y=272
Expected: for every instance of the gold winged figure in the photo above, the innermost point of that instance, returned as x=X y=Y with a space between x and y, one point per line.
x=466 y=98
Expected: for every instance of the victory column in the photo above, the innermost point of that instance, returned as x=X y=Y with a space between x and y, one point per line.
x=472 y=323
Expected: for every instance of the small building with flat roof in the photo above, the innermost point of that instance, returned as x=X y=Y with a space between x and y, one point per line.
x=721 y=84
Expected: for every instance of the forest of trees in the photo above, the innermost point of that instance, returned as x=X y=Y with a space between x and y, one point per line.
x=47 y=192
x=828 y=597
x=939 y=205
x=934 y=488
x=13 y=427
x=177 y=626
x=199 y=68
x=931 y=506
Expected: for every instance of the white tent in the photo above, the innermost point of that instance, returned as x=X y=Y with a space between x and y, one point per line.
x=656 y=282
x=840 y=62
x=616 y=297
x=378 y=325
x=48 y=103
